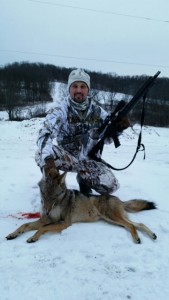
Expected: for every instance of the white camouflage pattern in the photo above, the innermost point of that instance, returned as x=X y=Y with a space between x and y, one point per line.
x=66 y=136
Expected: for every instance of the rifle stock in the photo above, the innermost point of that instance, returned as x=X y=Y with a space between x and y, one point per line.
x=121 y=111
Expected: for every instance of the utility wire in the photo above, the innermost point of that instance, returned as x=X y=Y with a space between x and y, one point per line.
x=99 y=11
x=84 y=58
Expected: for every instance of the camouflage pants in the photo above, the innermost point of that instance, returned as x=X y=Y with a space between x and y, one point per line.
x=96 y=174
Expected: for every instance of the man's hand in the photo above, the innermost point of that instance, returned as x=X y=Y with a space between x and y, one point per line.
x=49 y=164
x=123 y=124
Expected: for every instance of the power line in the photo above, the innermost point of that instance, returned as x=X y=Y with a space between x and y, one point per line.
x=84 y=58
x=100 y=11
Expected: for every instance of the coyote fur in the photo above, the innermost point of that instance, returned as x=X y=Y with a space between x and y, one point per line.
x=60 y=207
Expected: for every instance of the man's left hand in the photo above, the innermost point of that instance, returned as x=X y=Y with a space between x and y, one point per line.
x=123 y=124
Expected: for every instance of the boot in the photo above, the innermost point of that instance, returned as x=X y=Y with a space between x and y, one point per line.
x=83 y=186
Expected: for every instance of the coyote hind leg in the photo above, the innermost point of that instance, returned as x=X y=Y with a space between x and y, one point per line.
x=132 y=226
x=132 y=229
x=145 y=229
x=120 y=220
x=24 y=228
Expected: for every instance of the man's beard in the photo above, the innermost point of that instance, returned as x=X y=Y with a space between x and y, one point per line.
x=79 y=96
x=80 y=105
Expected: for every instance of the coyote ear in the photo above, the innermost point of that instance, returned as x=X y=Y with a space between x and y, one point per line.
x=63 y=177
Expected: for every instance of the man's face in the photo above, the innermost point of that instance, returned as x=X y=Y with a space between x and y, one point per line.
x=79 y=91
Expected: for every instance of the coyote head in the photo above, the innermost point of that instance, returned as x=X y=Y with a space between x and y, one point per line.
x=52 y=189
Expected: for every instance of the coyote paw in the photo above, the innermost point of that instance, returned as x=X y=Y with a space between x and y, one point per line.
x=31 y=240
x=154 y=236
x=11 y=236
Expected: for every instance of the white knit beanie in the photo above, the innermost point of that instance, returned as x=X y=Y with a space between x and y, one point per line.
x=78 y=75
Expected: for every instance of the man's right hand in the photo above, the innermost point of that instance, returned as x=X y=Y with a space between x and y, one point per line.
x=49 y=164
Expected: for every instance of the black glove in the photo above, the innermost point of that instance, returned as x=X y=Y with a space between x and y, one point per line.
x=49 y=164
x=123 y=124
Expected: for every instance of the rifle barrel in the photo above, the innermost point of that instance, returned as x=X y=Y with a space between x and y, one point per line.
x=143 y=90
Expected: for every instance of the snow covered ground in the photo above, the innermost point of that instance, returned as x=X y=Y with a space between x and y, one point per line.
x=95 y=261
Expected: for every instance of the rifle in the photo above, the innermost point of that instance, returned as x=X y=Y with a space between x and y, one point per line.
x=110 y=124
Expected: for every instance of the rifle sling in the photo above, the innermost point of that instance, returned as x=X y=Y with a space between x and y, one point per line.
x=139 y=144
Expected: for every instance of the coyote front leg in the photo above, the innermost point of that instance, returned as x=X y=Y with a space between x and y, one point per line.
x=48 y=228
x=24 y=228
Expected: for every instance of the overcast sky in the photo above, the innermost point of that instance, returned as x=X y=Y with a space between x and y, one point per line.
x=126 y=37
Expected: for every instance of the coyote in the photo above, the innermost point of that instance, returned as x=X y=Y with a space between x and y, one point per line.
x=60 y=207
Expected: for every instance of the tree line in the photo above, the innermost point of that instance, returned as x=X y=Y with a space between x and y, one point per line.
x=26 y=83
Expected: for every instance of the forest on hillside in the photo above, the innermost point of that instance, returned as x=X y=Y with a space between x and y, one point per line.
x=26 y=83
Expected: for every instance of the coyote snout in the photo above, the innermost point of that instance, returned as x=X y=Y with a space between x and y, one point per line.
x=60 y=207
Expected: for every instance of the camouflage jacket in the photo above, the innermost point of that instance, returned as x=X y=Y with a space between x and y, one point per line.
x=68 y=128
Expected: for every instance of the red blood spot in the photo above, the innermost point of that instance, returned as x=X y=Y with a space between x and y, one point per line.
x=31 y=215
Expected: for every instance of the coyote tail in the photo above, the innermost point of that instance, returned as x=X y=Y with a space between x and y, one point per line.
x=137 y=205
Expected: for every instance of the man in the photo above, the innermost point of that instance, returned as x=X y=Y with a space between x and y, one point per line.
x=73 y=126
